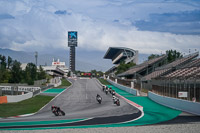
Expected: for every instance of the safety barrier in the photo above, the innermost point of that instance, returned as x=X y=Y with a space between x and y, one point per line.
x=127 y=89
x=29 y=92
x=18 y=98
x=15 y=98
x=179 y=104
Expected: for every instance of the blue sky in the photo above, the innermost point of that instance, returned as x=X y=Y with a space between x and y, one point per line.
x=144 y=25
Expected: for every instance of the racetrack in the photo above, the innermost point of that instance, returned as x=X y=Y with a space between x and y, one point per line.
x=79 y=102
x=83 y=111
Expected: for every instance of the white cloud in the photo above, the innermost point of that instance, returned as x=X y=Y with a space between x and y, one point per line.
x=36 y=27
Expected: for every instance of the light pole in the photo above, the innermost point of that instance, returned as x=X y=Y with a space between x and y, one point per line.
x=36 y=56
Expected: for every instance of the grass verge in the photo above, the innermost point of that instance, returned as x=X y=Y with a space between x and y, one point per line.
x=65 y=83
x=103 y=81
x=28 y=106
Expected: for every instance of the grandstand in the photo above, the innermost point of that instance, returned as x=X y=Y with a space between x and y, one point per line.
x=143 y=69
x=171 y=66
x=182 y=78
x=181 y=75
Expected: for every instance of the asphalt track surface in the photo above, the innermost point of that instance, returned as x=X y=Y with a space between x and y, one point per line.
x=79 y=102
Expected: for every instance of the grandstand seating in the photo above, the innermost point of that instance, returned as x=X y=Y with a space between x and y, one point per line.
x=185 y=61
x=142 y=66
x=155 y=74
x=193 y=63
x=185 y=73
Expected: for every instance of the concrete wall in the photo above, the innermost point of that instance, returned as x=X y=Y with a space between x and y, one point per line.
x=40 y=82
x=55 y=81
x=18 y=98
x=179 y=104
x=127 y=89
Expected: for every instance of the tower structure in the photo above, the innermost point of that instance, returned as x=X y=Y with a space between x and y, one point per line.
x=36 y=56
x=72 y=43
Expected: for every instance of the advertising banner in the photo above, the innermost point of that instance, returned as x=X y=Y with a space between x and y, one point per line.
x=182 y=94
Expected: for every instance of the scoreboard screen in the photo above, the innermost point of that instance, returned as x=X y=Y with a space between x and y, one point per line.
x=72 y=38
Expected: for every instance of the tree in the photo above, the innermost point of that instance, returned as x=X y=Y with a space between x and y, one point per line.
x=9 y=62
x=30 y=73
x=93 y=71
x=172 y=55
x=10 y=71
x=152 y=56
x=124 y=67
x=4 y=73
x=3 y=62
x=16 y=72
x=41 y=74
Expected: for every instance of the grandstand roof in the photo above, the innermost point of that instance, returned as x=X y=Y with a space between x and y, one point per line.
x=112 y=51
x=118 y=54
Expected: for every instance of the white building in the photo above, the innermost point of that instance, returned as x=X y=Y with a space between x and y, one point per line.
x=61 y=65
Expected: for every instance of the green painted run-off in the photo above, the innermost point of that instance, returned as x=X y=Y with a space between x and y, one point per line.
x=54 y=90
x=26 y=123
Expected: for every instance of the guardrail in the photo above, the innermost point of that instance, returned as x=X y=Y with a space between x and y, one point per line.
x=125 y=88
x=179 y=104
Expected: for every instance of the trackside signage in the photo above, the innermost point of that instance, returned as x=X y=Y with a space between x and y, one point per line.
x=182 y=94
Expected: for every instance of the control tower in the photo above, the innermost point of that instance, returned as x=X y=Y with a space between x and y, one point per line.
x=72 y=43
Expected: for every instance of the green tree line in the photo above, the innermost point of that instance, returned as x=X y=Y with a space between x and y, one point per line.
x=172 y=55
x=11 y=72
x=124 y=67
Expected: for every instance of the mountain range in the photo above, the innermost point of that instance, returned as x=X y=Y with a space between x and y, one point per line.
x=85 y=60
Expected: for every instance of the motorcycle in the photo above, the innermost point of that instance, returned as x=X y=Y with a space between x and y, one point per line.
x=103 y=88
x=113 y=93
x=116 y=101
x=99 y=99
x=106 y=91
x=110 y=90
x=57 y=111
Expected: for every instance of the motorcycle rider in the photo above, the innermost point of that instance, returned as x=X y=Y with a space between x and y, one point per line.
x=55 y=108
x=98 y=98
x=104 y=88
x=113 y=92
x=110 y=90
x=114 y=99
